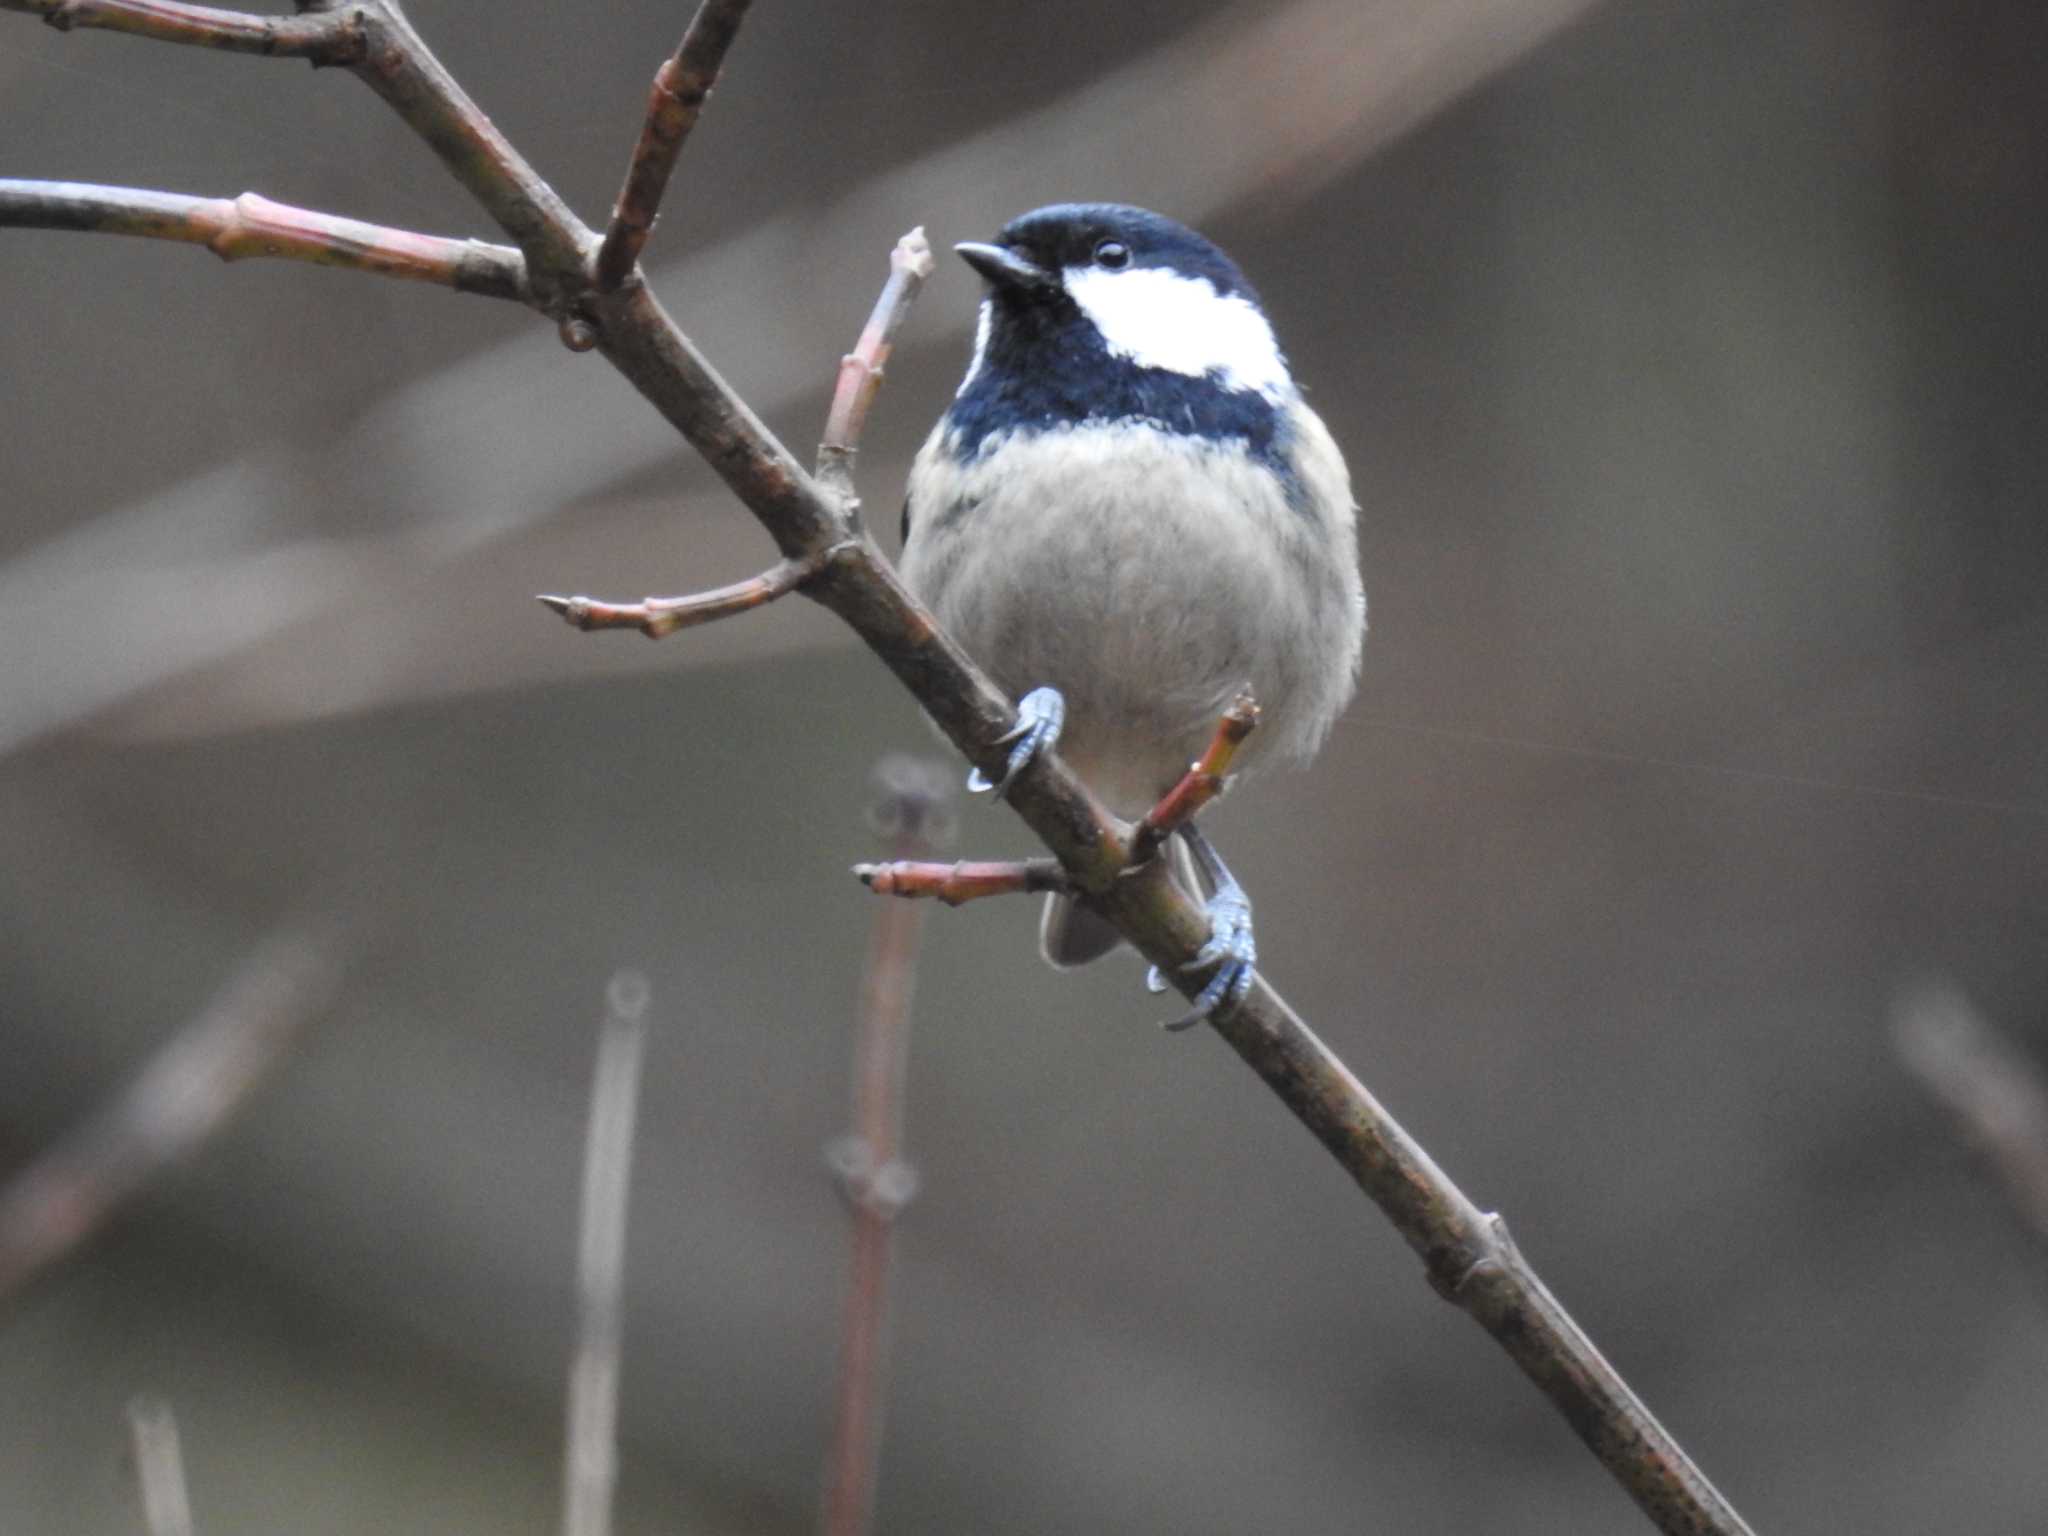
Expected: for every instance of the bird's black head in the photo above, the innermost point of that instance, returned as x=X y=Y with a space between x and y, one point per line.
x=1097 y=312
x=1028 y=263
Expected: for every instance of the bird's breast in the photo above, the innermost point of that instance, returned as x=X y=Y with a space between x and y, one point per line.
x=1148 y=576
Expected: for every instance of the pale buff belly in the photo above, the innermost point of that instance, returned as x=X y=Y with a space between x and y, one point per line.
x=1149 y=580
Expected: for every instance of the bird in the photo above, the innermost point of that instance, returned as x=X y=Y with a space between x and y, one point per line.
x=1129 y=515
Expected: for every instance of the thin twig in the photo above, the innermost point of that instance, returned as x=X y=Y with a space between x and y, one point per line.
x=591 y=1458
x=234 y=228
x=159 y=1468
x=1205 y=779
x=965 y=880
x=1464 y=1250
x=325 y=39
x=1997 y=1094
x=655 y=617
x=183 y=1095
x=914 y=814
x=860 y=371
x=681 y=86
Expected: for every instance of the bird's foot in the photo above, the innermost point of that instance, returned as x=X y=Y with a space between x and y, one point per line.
x=1040 y=715
x=1232 y=949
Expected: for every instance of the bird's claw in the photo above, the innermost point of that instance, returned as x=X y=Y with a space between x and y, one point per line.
x=1040 y=715
x=1232 y=949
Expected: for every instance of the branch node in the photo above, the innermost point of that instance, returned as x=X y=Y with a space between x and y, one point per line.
x=883 y=1189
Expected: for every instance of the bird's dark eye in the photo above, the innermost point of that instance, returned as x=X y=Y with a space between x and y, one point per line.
x=1113 y=254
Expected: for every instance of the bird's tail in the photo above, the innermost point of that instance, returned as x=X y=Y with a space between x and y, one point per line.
x=1070 y=934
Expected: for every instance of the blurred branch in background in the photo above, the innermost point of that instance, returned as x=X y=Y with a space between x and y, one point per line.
x=591 y=1460
x=180 y=1098
x=159 y=1468
x=1996 y=1094
x=913 y=814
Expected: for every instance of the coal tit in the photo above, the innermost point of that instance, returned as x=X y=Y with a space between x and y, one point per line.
x=1129 y=511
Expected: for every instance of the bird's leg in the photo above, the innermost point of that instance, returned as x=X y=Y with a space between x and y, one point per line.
x=1206 y=778
x=1231 y=947
x=1040 y=715
x=965 y=881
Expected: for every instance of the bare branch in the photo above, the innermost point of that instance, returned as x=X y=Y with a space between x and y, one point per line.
x=965 y=880
x=1206 y=778
x=681 y=86
x=592 y=1455
x=860 y=371
x=913 y=809
x=1997 y=1094
x=331 y=38
x=253 y=226
x=181 y=1097
x=159 y=1468
x=655 y=617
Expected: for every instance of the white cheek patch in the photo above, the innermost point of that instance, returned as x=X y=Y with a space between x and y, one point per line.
x=981 y=329
x=1160 y=319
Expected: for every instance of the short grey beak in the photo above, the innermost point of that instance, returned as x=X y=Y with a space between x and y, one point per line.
x=1003 y=267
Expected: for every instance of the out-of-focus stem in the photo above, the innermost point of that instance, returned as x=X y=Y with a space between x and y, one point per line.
x=876 y=1179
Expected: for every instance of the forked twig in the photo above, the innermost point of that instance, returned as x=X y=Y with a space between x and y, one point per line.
x=680 y=89
x=183 y=1095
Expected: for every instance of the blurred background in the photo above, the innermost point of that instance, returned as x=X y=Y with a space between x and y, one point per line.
x=1691 y=361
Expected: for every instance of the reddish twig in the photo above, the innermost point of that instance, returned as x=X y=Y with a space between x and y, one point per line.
x=181 y=1097
x=966 y=880
x=330 y=38
x=1205 y=779
x=1464 y=1250
x=681 y=87
x=878 y=1183
x=591 y=1458
x=252 y=226
x=860 y=371
x=1996 y=1093
x=655 y=617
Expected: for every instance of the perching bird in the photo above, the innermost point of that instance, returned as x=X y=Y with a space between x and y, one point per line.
x=1128 y=515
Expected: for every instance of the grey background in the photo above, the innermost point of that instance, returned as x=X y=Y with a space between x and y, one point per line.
x=1690 y=362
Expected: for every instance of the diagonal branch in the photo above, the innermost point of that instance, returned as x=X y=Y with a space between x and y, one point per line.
x=681 y=87
x=331 y=38
x=1466 y=1252
x=254 y=226
x=182 y=1096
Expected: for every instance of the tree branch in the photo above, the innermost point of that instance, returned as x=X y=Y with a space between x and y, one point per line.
x=860 y=371
x=325 y=39
x=913 y=815
x=253 y=226
x=1466 y=1252
x=681 y=87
